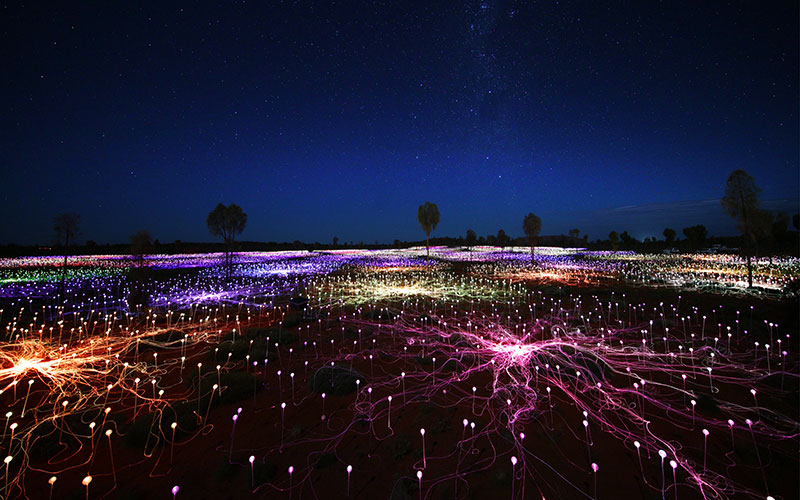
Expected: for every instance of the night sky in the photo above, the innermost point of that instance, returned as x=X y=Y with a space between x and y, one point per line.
x=323 y=118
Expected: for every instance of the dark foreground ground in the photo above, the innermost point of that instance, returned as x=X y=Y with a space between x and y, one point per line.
x=382 y=442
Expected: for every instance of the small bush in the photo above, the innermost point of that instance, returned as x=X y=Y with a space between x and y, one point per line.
x=325 y=460
x=43 y=441
x=236 y=386
x=292 y=320
x=401 y=447
x=257 y=332
x=404 y=488
x=182 y=413
x=424 y=361
x=296 y=430
x=263 y=472
x=707 y=404
x=440 y=425
x=132 y=493
x=501 y=477
x=226 y=470
x=138 y=288
x=283 y=337
x=142 y=432
x=335 y=380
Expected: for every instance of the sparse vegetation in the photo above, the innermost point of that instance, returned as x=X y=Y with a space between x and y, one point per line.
x=428 y=218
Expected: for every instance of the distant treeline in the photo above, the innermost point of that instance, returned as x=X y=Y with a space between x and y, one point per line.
x=649 y=245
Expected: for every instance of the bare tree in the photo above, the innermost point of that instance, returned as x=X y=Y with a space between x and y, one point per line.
x=227 y=222
x=532 y=225
x=741 y=202
x=428 y=218
x=65 y=226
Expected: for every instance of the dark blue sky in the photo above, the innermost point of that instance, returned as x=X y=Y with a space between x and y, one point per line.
x=323 y=119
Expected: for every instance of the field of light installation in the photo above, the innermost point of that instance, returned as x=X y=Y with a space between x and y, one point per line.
x=382 y=374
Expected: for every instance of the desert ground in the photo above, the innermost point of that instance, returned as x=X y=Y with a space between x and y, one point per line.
x=471 y=373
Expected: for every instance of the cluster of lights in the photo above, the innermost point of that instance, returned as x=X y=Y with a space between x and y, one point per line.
x=506 y=358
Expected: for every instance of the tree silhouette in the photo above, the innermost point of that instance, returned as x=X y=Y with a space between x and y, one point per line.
x=696 y=235
x=613 y=237
x=627 y=239
x=532 y=225
x=796 y=221
x=227 y=222
x=65 y=226
x=472 y=237
x=780 y=230
x=574 y=233
x=741 y=202
x=140 y=245
x=502 y=239
x=763 y=225
x=335 y=241
x=669 y=235
x=428 y=218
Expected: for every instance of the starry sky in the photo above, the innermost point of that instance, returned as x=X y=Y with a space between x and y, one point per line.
x=325 y=119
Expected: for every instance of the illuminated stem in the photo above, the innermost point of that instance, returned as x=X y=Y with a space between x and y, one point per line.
x=25 y=405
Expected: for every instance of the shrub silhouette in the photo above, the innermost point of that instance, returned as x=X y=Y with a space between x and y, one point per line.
x=335 y=380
